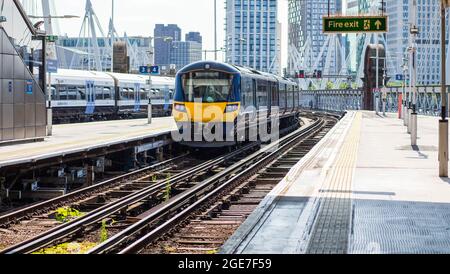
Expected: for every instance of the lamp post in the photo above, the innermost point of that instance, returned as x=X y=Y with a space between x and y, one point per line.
x=404 y=105
x=414 y=32
x=443 y=122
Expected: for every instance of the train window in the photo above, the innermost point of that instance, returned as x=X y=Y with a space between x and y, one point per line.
x=143 y=94
x=282 y=96
x=98 y=93
x=290 y=103
x=124 y=94
x=275 y=94
x=247 y=92
x=107 y=95
x=54 y=92
x=72 y=94
x=208 y=87
x=171 y=94
x=81 y=93
x=63 y=93
x=131 y=94
x=262 y=94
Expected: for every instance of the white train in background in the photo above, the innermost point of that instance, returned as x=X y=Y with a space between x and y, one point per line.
x=79 y=95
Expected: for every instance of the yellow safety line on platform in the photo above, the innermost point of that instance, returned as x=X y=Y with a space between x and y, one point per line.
x=312 y=161
x=338 y=183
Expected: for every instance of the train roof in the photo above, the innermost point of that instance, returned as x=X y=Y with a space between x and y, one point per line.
x=82 y=74
x=140 y=78
x=202 y=65
x=233 y=69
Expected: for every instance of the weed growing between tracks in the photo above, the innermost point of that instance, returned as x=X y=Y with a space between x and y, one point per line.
x=66 y=214
x=68 y=248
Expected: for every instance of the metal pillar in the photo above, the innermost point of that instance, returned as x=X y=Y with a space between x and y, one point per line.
x=414 y=32
x=377 y=72
x=215 y=30
x=443 y=123
x=149 y=106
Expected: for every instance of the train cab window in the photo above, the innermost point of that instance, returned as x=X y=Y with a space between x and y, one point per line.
x=171 y=91
x=208 y=87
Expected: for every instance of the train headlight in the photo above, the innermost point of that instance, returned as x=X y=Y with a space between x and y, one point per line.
x=232 y=108
x=180 y=108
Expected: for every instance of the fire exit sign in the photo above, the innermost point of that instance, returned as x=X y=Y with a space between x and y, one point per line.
x=356 y=24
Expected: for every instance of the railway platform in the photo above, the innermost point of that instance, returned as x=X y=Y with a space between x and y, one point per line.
x=75 y=139
x=362 y=189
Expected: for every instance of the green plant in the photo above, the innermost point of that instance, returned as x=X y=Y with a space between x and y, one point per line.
x=154 y=178
x=68 y=248
x=65 y=214
x=168 y=189
x=330 y=85
x=103 y=232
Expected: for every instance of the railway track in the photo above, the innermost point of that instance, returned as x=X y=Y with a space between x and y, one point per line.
x=121 y=206
x=138 y=208
x=201 y=219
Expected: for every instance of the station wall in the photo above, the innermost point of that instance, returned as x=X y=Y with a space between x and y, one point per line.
x=22 y=101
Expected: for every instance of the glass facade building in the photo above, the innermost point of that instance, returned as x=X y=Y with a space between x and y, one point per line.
x=428 y=40
x=164 y=35
x=252 y=34
x=305 y=23
x=194 y=37
x=185 y=53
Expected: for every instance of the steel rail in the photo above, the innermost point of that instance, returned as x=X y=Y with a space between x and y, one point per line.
x=48 y=205
x=239 y=170
x=80 y=224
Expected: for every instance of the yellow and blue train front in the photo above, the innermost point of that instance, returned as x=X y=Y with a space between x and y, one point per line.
x=207 y=104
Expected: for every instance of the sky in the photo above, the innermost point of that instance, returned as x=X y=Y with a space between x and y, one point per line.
x=138 y=17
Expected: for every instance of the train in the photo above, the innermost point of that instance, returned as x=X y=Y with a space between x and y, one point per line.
x=217 y=95
x=80 y=96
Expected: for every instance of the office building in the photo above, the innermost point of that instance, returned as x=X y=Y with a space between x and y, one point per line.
x=306 y=26
x=164 y=35
x=252 y=35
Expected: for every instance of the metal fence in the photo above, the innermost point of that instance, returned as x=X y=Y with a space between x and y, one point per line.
x=335 y=100
x=428 y=99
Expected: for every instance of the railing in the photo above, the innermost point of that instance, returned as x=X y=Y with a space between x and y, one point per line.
x=428 y=99
x=335 y=100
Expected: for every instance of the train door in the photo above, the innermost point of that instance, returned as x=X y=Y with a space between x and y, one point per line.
x=90 y=97
x=137 y=97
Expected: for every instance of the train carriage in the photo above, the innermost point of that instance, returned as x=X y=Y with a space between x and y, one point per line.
x=78 y=94
x=88 y=95
x=216 y=95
